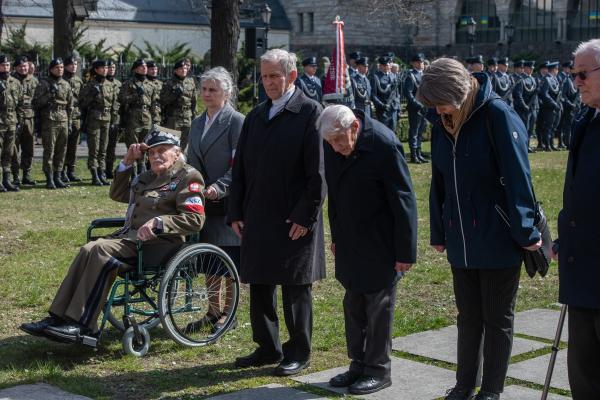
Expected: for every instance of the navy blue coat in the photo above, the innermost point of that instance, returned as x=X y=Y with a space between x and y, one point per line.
x=372 y=209
x=470 y=210
x=579 y=220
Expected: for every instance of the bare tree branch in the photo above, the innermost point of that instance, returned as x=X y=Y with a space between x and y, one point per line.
x=411 y=12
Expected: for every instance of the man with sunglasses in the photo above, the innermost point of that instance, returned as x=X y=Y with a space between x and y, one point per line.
x=579 y=252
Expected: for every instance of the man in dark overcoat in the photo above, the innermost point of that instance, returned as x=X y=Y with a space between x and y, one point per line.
x=578 y=222
x=275 y=207
x=374 y=237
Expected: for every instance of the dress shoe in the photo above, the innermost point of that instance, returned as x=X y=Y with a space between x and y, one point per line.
x=37 y=328
x=219 y=325
x=206 y=322
x=344 y=379
x=257 y=359
x=458 y=393
x=67 y=332
x=486 y=396
x=369 y=384
x=288 y=368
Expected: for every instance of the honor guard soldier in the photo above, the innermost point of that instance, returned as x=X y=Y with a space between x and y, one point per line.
x=178 y=101
x=565 y=71
x=11 y=97
x=352 y=62
x=23 y=151
x=570 y=99
x=416 y=110
x=384 y=94
x=525 y=98
x=517 y=72
x=361 y=86
x=308 y=81
x=138 y=98
x=71 y=66
x=53 y=100
x=153 y=78
x=491 y=69
x=503 y=81
x=115 y=120
x=549 y=98
x=475 y=63
x=98 y=101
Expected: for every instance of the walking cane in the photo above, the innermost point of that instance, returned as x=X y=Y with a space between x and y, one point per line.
x=555 y=344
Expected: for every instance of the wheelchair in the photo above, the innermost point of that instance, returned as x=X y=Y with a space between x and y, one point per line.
x=176 y=295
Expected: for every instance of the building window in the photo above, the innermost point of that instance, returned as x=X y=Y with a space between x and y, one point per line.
x=311 y=22
x=583 y=20
x=300 y=22
x=488 y=24
x=534 y=20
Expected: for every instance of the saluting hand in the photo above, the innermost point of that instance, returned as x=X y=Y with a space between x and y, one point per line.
x=135 y=152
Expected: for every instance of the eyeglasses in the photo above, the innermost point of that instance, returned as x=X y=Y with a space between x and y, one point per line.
x=583 y=74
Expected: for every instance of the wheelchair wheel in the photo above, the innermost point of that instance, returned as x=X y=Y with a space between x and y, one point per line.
x=198 y=276
x=131 y=346
x=144 y=300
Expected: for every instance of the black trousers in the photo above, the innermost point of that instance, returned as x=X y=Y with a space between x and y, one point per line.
x=583 y=355
x=297 y=312
x=369 y=321
x=416 y=126
x=485 y=299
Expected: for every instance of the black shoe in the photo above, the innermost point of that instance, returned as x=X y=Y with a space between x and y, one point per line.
x=49 y=181
x=554 y=148
x=58 y=182
x=71 y=175
x=69 y=332
x=369 y=384
x=6 y=182
x=288 y=368
x=345 y=379
x=64 y=177
x=486 y=396
x=16 y=181
x=220 y=325
x=458 y=393
x=95 y=179
x=413 y=156
x=206 y=322
x=27 y=180
x=37 y=328
x=109 y=174
x=421 y=157
x=256 y=359
x=102 y=177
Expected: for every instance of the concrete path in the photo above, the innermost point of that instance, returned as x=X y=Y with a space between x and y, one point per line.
x=39 y=391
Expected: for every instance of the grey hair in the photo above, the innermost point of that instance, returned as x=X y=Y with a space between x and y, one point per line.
x=445 y=82
x=286 y=59
x=334 y=119
x=591 y=46
x=222 y=77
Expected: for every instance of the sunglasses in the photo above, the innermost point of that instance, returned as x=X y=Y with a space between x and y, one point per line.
x=583 y=74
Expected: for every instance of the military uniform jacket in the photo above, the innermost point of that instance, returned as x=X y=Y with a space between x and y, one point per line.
x=157 y=112
x=503 y=86
x=178 y=99
x=137 y=100
x=115 y=117
x=28 y=85
x=549 y=93
x=569 y=95
x=384 y=90
x=53 y=99
x=98 y=99
x=176 y=197
x=525 y=94
x=76 y=86
x=10 y=99
x=362 y=91
x=311 y=86
x=411 y=84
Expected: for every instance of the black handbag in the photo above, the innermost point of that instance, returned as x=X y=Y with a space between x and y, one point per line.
x=536 y=260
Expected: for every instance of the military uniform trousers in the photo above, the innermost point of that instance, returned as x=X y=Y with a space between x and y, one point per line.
x=583 y=358
x=7 y=144
x=97 y=132
x=54 y=140
x=416 y=127
x=389 y=118
x=527 y=118
x=369 y=320
x=182 y=125
x=23 y=154
x=72 y=143
x=546 y=123
x=485 y=299
x=564 y=127
x=111 y=147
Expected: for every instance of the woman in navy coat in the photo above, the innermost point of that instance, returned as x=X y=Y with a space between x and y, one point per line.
x=481 y=211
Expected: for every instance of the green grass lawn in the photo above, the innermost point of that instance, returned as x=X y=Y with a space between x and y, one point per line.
x=41 y=231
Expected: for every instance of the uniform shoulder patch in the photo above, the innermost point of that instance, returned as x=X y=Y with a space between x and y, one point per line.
x=194 y=187
x=194 y=204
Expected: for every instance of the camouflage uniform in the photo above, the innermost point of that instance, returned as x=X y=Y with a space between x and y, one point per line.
x=115 y=128
x=178 y=105
x=10 y=99
x=23 y=155
x=75 y=128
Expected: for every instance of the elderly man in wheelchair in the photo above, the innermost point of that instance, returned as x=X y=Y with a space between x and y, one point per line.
x=165 y=203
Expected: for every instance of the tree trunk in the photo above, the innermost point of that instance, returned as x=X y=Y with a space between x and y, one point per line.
x=64 y=26
x=224 y=35
x=1 y=20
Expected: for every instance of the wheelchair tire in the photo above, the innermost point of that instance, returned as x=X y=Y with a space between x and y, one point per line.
x=193 y=277
x=130 y=345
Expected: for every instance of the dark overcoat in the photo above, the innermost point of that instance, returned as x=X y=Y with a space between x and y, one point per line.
x=482 y=223
x=372 y=209
x=277 y=176
x=579 y=219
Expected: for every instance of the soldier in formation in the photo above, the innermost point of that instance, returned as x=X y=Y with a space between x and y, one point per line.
x=385 y=93
x=70 y=75
x=153 y=78
x=361 y=86
x=178 y=101
x=114 y=131
x=416 y=110
x=524 y=98
x=308 y=82
x=550 y=106
x=11 y=97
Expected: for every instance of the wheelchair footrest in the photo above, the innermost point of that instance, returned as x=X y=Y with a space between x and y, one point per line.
x=91 y=341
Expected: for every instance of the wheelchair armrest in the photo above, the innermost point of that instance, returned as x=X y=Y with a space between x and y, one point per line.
x=104 y=223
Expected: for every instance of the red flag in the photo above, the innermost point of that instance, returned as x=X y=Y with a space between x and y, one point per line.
x=334 y=87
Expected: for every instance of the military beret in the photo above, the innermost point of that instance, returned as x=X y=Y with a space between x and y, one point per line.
x=553 y=64
x=503 y=61
x=519 y=63
x=309 y=61
x=475 y=60
x=568 y=64
x=384 y=60
x=138 y=63
x=70 y=60
x=20 y=60
x=390 y=54
x=110 y=63
x=160 y=135
x=151 y=63
x=529 y=64
x=362 y=61
x=4 y=59
x=492 y=61
x=179 y=64
x=355 y=55
x=418 y=57
x=56 y=61
x=99 y=63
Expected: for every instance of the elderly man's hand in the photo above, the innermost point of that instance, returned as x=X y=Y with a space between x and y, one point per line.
x=211 y=193
x=534 y=246
x=145 y=232
x=135 y=152
x=296 y=231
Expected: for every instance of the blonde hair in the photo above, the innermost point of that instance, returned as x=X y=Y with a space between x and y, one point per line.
x=445 y=82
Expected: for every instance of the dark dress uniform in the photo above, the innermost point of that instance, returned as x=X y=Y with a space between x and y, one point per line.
x=416 y=114
x=310 y=85
x=548 y=118
x=385 y=97
x=570 y=106
x=75 y=128
x=504 y=87
x=362 y=90
x=11 y=97
x=524 y=100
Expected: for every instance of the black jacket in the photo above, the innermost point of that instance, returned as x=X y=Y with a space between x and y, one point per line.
x=372 y=209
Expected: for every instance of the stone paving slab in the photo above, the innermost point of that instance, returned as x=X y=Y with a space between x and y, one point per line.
x=540 y=323
x=440 y=344
x=521 y=393
x=410 y=381
x=270 y=392
x=38 y=391
x=534 y=370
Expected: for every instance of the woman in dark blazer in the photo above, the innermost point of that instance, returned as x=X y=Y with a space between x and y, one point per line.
x=212 y=142
x=481 y=211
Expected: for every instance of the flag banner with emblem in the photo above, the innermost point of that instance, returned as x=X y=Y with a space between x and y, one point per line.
x=334 y=87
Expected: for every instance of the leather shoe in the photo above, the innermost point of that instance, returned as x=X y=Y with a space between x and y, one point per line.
x=369 y=384
x=37 y=328
x=208 y=321
x=219 y=325
x=288 y=368
x=344 y=379
x=459 y=393
x=256 y=359
x=487 y=396
x=68 y=332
